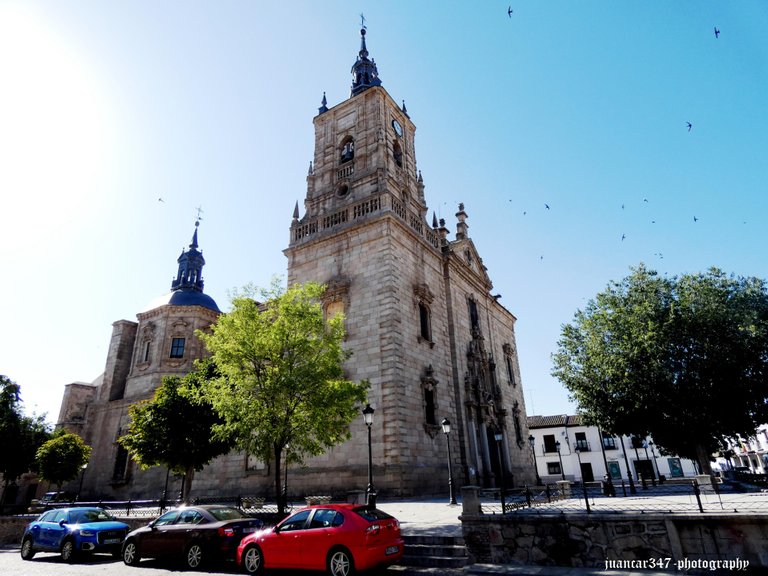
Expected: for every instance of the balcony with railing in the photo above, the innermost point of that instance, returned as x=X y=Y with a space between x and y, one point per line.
x=581 y=446
x=609 y=443
x=365 y=208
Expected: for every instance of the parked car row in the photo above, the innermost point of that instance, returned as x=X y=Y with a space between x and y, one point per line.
x=337 y=538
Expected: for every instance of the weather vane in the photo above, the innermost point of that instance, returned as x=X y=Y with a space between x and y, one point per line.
x=362 y=21
x=199 y=212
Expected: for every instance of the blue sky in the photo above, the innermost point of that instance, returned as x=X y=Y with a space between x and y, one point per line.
x=105 y=108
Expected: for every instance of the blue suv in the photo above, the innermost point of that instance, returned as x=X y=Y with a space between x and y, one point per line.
x=73 y=531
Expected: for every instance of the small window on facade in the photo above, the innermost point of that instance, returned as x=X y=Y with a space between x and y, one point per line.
x=145 y=357
x=347 y=150
x=177 y=348
x=549 y=443
x=397 y=154
x=429 y=406
x=581 y=441
x=121 y=465
x=473 y=317
x=609 y=442
x=425 y=324
x=553 y=468
x=510 y=370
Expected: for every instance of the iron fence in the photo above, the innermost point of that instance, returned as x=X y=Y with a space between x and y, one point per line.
x=251 y=505
x=689 y=497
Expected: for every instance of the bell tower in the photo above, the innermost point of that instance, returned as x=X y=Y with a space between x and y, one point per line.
x=414 y=304
x=364 y=160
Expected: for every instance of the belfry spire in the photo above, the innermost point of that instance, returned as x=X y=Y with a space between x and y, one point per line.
x=364 y=72
x=191 y=262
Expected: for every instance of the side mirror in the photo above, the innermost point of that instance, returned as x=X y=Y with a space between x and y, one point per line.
x=276 y=529
x=62 y=523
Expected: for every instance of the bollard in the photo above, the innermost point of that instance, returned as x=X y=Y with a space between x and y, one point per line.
x=624 y=488
x=528 y=495
x=549 y=493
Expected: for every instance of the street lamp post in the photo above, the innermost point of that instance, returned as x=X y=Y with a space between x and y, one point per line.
x=498 y=437
x=559 y=457
x=82 y=475
x=532 y=442
x=583 y=484
x=653 y=468
x=370 y=495
x=446 y=424
x=655 y=465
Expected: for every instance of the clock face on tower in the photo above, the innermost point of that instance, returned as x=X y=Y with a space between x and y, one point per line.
x=397 y=128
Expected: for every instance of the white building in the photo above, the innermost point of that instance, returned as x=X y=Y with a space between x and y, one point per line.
x=750 y=453
x=566 y=449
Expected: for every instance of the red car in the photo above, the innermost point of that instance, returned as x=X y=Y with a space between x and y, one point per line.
x=339 y=538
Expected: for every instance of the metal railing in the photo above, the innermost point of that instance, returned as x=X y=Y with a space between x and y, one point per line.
x=688 y=497
x=252 y=505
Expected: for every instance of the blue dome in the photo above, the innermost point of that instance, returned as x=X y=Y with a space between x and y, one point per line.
x=184 y=298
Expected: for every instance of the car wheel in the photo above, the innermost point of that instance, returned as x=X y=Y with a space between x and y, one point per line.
x=131 y=554
x=27 y=549
x=194 y=556
x=68 y=551
x=340 y=563
x=253 y=561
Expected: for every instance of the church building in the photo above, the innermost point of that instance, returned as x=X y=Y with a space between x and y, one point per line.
x=422 y=325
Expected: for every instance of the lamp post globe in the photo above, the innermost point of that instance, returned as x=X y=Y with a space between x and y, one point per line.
x=446 y=425
x=370 y=494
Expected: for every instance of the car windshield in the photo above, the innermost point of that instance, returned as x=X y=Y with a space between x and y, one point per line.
x=89 y=515
x=372 y=514
x=226 y=513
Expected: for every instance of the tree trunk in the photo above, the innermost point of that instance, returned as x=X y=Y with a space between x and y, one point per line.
x=186 y=486
x=702 y=456
x=278 y=490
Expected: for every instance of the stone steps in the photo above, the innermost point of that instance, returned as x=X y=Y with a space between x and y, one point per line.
x=435 y=552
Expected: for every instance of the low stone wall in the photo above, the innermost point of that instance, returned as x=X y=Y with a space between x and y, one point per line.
x=581 y=539
x=12 y=527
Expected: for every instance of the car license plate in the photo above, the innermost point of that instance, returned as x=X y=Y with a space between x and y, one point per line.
x=112 y=541
x=249 y=529
x=391 y=550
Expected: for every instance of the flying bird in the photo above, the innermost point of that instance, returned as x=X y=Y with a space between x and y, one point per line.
x=695 y=219
x=509 y=11
x=622 y=237
x=717 y=32
x=546 y=206
x=689 y=126
x=160 y=200
x=645 y=199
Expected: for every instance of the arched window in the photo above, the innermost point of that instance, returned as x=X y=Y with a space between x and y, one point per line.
x=424 y=322
x=347 y=149
x=397 y=154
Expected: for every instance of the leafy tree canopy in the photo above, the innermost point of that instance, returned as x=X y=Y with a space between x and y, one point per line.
x=62 y=458
x=282 y=373
x=684 y=359
x=22 y=434
x=175 y=427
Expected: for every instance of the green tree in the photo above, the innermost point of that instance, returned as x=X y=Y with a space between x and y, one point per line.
x=175 y=428
x=684 y=359
x=22 y=434
x=62 y=458
x=282 y=375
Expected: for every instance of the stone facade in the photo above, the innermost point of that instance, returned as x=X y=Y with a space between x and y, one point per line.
x=423 y=329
